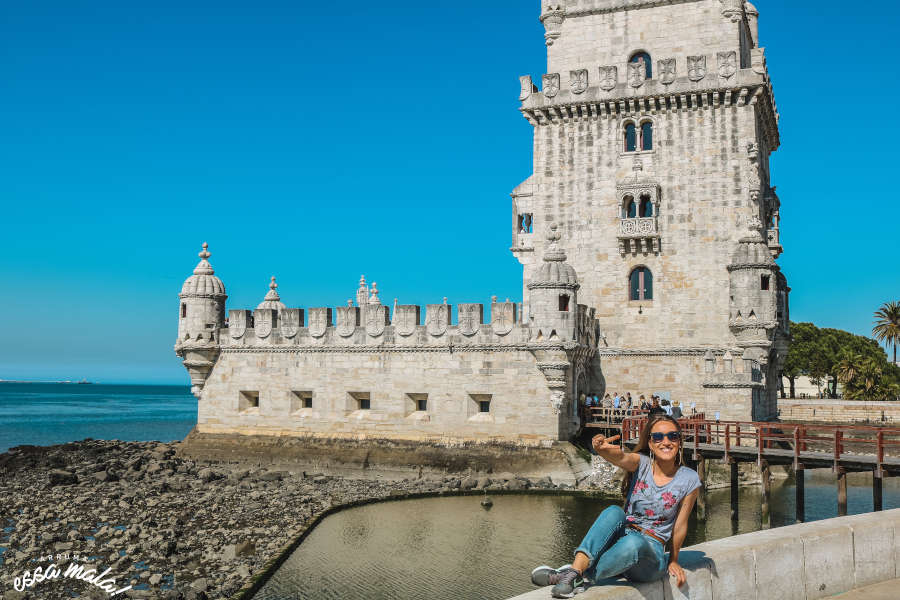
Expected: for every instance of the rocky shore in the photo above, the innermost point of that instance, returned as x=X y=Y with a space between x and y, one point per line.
x=171 y=527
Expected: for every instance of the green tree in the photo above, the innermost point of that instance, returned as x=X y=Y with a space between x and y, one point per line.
x=801 y=352
x=829 y=356
x=887 y=325
x=864 y=378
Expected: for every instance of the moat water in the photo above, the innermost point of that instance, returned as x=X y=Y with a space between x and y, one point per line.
x=451 y=548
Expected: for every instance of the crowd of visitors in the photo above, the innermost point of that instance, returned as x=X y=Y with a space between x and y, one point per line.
x=624 y=405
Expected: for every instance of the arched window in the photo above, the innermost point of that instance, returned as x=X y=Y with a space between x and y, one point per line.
x=630 y=137
x=629 y=208
x=183 y=310
x=645 y=58
x=646 y=206
x=641 y=284
x=563 y=303
x=647 y=135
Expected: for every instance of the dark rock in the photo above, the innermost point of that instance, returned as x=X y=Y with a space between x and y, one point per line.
x=60 y=477
x=106 y=476
x=207 y=475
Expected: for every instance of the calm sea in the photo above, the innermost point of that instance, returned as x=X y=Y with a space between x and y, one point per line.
x=49 y=413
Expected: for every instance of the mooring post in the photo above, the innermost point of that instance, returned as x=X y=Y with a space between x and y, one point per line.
x=800 y=487
x=734 y=490
x=766 y=494
x=842 y=492
x=876 y=491
x=701 y=497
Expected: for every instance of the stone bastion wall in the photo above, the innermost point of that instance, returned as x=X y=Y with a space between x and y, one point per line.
x=839 y=411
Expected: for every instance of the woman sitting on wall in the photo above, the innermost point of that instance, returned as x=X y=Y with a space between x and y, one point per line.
x=660 y=493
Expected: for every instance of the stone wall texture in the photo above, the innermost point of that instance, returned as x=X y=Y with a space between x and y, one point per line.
x=839 y=411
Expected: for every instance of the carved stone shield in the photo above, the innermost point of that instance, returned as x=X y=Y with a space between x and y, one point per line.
x=437 y=319
x=551 y=85
x=262 y=319
x=578 y=81
x=237 y=323
x=637 y=73
x=727 y=64
x=503 y=317
x=406 y=319
x=527 y=87
x=470 y=317
x=290 y=321
x=319 y=321
x=667 y=70
x=609 y=78
x=696 y=67
x=376 y=319
x=347 y=320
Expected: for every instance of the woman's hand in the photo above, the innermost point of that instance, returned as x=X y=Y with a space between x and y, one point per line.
x=677 y=572
x=600 y=442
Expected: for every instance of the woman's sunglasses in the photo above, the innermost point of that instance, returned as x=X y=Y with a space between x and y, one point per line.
x=673 y=436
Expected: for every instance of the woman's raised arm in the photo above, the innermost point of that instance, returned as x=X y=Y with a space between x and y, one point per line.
x=613 y=454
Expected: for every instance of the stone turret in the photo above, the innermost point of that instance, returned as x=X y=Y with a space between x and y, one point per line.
x=553 y=294
x=201 y=316
x=272 y=300
x=753 y=281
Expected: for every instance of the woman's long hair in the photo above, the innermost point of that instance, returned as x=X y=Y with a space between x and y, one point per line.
x=643 y=447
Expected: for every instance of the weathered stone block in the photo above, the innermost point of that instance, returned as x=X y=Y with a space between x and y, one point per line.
x=872 y=542
x=828 y=559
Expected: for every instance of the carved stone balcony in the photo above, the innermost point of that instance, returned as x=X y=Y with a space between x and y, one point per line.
x=638 y=235
x=773 y=237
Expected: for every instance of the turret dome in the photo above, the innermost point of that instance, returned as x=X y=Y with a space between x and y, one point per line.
x=203 y=283
x=753 y=249
x=555 y=271
x=272 y=299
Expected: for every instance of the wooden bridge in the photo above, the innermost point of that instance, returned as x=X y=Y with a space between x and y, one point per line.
x=843 y=448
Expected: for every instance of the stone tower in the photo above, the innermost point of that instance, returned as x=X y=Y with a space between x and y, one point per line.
x=653 y=128
x=201 y=316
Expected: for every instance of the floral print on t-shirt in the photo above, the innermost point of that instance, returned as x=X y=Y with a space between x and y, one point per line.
x=654 y=508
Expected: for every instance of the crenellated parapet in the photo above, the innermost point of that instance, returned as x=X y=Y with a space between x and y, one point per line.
x=377 y=327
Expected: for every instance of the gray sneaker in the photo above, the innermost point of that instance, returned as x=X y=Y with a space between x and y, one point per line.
x=566 y=581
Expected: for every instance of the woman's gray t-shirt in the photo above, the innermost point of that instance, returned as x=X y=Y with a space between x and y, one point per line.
x=654 y=507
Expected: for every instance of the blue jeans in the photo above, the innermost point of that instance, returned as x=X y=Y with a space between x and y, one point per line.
x=615 y=549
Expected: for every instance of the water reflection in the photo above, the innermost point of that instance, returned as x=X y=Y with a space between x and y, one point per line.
x=449 y=548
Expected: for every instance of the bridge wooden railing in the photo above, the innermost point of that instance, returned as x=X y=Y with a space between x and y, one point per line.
x=593 y=415
x=843 y=448
x=803 y=442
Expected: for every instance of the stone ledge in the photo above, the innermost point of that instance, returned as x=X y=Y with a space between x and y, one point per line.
x=808 y=561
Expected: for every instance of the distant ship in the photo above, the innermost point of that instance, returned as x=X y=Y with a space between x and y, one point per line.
x=85 y=382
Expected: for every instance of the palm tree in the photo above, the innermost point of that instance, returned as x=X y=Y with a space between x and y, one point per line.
x=849 y=368
x=887 y=325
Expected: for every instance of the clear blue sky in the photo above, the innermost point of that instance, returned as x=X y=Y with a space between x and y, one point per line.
x=318 y=140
